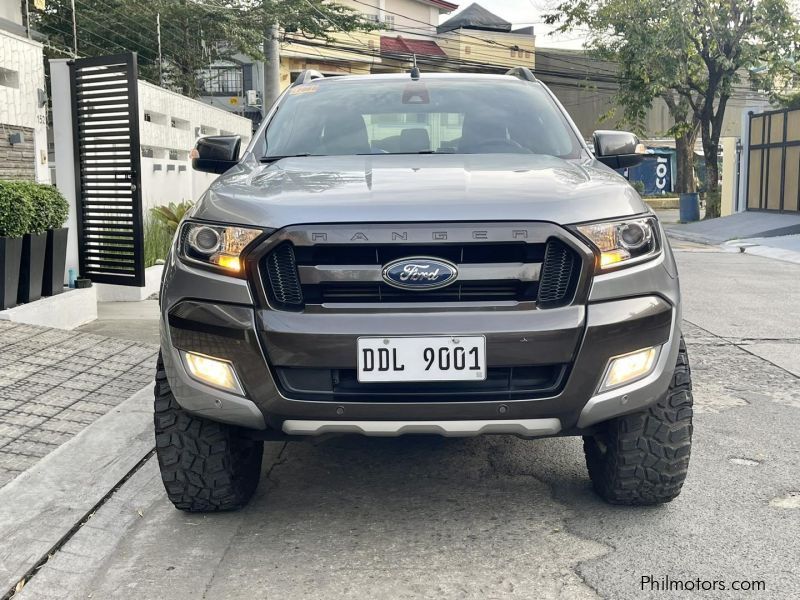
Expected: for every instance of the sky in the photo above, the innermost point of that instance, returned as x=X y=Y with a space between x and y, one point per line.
x=522 y=13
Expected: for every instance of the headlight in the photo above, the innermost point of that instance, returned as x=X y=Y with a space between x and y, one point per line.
x=623 y=242
x=216 y=246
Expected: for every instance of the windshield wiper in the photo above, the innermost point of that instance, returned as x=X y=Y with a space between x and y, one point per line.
x=269 y=159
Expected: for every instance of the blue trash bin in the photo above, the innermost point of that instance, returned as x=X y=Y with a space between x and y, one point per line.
x=690 y=207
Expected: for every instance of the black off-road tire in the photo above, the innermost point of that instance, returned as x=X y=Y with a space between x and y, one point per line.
x=206 y=466
x=642 y=458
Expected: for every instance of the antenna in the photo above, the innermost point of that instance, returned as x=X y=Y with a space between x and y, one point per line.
x=415 y=69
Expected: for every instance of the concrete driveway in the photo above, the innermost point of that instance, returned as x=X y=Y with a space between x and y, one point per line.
x=497 y=517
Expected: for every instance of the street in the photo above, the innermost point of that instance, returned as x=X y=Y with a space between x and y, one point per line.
x=496 y=517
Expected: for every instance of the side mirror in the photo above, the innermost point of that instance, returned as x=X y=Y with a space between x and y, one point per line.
x=618 y=149
x=216 y=153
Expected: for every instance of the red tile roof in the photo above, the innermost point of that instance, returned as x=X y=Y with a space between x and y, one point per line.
x=401 y=45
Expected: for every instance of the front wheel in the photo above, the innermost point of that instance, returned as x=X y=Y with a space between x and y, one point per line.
x=643 y=458
x=206 y=466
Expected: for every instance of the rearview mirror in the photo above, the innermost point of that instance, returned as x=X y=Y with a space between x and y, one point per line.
x=216 y=153
x=618 y=149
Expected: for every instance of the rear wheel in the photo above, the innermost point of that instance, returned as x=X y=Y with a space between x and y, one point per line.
x=206 y=466
x=643 y=458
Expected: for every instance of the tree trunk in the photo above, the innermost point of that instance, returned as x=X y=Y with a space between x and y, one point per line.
x=684 y=150
x=685 y=132
x=711 y=129
x=713 y=193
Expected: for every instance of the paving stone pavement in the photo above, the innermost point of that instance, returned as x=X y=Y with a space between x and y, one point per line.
x=53 y=383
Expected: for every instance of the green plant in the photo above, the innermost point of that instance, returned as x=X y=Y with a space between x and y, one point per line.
x=58 y=208
x=157 y=240
x=16 y=210
x=50 y=209
x=171 y=215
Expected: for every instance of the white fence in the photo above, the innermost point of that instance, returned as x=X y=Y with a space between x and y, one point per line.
x=169 y=125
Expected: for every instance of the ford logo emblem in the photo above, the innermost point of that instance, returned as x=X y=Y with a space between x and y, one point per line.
x=419 y=273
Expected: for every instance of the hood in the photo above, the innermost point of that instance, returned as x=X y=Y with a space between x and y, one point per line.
x=409 y=188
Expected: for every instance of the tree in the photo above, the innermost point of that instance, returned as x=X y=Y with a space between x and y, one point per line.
x=692 y=54
x=194 y=33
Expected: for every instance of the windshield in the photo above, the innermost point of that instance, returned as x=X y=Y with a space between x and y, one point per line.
x=396 y=116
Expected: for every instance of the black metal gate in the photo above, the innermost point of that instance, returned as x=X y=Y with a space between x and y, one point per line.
x=105 y=117
x=773 y=175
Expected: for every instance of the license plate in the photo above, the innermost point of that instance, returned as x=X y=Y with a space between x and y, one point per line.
x=431 y=358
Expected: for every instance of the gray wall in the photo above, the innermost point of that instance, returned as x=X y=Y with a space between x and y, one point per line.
x=577 y=81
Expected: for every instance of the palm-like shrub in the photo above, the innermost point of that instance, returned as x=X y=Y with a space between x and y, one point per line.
x=171 y=214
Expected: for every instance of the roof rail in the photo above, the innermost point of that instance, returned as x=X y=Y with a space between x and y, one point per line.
x=306 y=76
x=523 y=73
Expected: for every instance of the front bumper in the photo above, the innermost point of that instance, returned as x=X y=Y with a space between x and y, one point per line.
x=619 y=313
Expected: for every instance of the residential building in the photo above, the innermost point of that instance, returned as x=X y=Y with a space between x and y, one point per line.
x=236 y=84
x=225 y=84
x=407 y=18
x=482 y=41
x=473 y=40
x=23 y=101
x=408 y=28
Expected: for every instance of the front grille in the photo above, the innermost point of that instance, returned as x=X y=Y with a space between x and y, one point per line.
x=380 y=254
x=342 y=385
x=284 y=284
x=475 y=291
x=559 y=275
x=543 y=270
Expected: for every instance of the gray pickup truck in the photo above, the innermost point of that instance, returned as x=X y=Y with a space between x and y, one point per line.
x=420 y=254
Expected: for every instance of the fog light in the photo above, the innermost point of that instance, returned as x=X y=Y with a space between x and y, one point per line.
x=629 y=367
x=212 y=371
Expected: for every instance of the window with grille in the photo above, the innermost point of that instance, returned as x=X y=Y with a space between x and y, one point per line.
x=222 y=81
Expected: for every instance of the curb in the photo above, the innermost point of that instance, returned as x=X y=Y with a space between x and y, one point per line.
x=668 y=203
x=686 y=236
x=772 y=252
x=43 y=505
x=743 y=246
